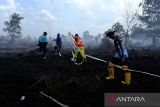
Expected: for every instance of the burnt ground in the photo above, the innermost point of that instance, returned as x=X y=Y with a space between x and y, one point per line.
x=26 y=74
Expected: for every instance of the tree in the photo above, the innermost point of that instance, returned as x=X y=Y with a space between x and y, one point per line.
x=106 y=43
x=87 y=36
x=151 y=18
x=12 y=27
x=137 y=30
x=98 y=37
x=118 y=28
x=131 y=18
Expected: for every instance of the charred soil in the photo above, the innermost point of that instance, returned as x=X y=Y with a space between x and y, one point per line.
x=27 y=74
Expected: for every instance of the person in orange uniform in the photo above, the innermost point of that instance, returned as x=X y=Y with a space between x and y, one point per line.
x=80 y=47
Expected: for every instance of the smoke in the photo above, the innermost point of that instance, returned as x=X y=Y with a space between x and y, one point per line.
x=20 y=42
x=48 y=17
x=89 y=40
x=49 y=21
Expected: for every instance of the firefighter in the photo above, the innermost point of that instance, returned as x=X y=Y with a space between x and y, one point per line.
x=79 y=44
x=120 y=58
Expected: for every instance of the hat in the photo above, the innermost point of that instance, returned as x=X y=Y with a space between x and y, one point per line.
x=109 y=32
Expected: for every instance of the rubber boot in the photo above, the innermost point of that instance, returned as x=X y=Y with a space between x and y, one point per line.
x=127 y=79
x=111 y=73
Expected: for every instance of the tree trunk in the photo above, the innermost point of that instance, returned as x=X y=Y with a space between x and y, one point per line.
x=12 y=38
x=154 y=41
x=126 y=39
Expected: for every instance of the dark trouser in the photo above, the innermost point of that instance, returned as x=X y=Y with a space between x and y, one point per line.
x=43 y=48
x=59 y=47
x=118 y=61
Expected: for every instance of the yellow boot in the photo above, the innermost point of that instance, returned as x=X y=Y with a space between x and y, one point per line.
x=111 y=72
x=127 y=79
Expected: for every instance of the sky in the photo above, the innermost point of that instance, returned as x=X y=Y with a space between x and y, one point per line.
x=62 y=16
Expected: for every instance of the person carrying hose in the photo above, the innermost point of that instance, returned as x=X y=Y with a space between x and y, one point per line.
x=120 y=58
x=80 y=48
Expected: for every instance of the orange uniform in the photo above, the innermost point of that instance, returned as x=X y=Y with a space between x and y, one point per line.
x=78 y=42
